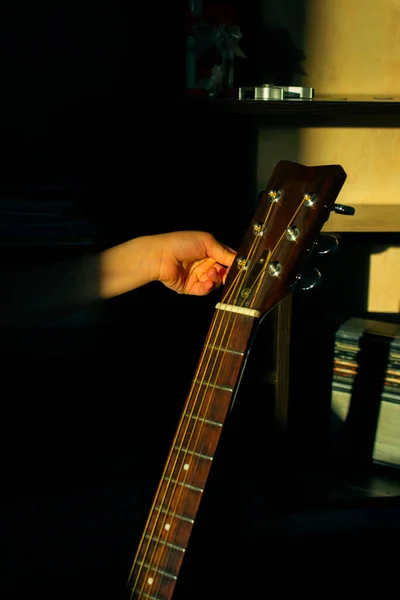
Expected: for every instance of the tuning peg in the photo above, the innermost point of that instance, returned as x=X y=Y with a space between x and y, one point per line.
x=308 y=279
x=326 y=243
x=341 y=209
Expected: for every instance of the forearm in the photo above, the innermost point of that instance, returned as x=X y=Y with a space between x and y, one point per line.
x=128 y=266
x=42 y=293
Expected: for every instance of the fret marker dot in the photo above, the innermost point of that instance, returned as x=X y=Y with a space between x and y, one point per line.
x=150 y=580
x=186 y=467
x=167 y=527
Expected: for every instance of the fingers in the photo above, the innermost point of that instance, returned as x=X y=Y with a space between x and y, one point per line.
x=219 y=252
x=207 y=281
x=205 y=288
x=214 y=275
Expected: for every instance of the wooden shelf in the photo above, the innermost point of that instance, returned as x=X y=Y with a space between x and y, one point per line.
x=327 y=111
x=369 y=218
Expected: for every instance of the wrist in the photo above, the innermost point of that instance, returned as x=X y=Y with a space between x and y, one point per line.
x=129 y=265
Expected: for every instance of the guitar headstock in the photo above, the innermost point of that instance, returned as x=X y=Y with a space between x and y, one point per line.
x=289 y=217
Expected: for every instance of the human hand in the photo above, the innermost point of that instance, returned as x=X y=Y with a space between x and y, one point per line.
x=192 y=262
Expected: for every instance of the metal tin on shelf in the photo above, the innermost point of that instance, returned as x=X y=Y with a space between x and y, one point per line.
x=269 y=91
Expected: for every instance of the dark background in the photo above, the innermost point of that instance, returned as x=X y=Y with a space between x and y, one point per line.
x=88 y=412
x=89 y=96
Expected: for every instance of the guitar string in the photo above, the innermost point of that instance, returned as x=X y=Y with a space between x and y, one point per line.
x=212 y=376
x=176 y=447
x=230 y=292
x=224 y=342
x=194 y=400
x=235 y=319
x=200 y=409
x=233 y=285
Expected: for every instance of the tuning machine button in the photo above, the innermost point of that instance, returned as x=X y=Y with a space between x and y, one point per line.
x=242 y=262
x=309 y=279
x=274 y=268
x=326 y=243
x=258 y=229
x=275 y=195
x=310 y=199
x=342 y=209
x=292 y=233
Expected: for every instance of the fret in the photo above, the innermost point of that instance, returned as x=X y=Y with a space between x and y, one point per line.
x=219 y=370
x=152 y=569
x=179 y=510
x=193 y=453
x=161 y=552
x=148 y=581
x=224 y=388
x=222 y=349
x=162 y=555
x=203 y=420
x=164 y=543
x=230 y=331
x=178 y=498
x=192 y=468
x=193 y=488
x=209 y=403
x=197 y=437
x=164 y=511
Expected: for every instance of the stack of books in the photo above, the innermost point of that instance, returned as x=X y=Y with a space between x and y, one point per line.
x=365 y=397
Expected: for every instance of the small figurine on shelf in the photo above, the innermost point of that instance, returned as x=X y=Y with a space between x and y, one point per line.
x=212 y=45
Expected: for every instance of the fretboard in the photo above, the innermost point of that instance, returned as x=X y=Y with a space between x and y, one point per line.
x=161 y=550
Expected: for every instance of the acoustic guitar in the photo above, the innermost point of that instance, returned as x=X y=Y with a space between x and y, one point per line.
x=281 y=236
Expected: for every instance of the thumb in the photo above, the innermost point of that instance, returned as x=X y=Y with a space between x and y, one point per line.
x=219 y=252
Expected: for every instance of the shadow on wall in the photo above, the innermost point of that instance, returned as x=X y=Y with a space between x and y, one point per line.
x=273 y=43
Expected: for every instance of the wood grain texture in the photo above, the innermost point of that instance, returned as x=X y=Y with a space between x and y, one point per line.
x=161 y=551
x=272 y=244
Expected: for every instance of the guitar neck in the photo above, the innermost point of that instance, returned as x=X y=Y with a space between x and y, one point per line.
x=166 y=535
x=289 y=216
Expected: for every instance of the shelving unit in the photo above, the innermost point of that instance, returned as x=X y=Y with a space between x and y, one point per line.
x=246 y=117
x=324 y=111
x=332 y=111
